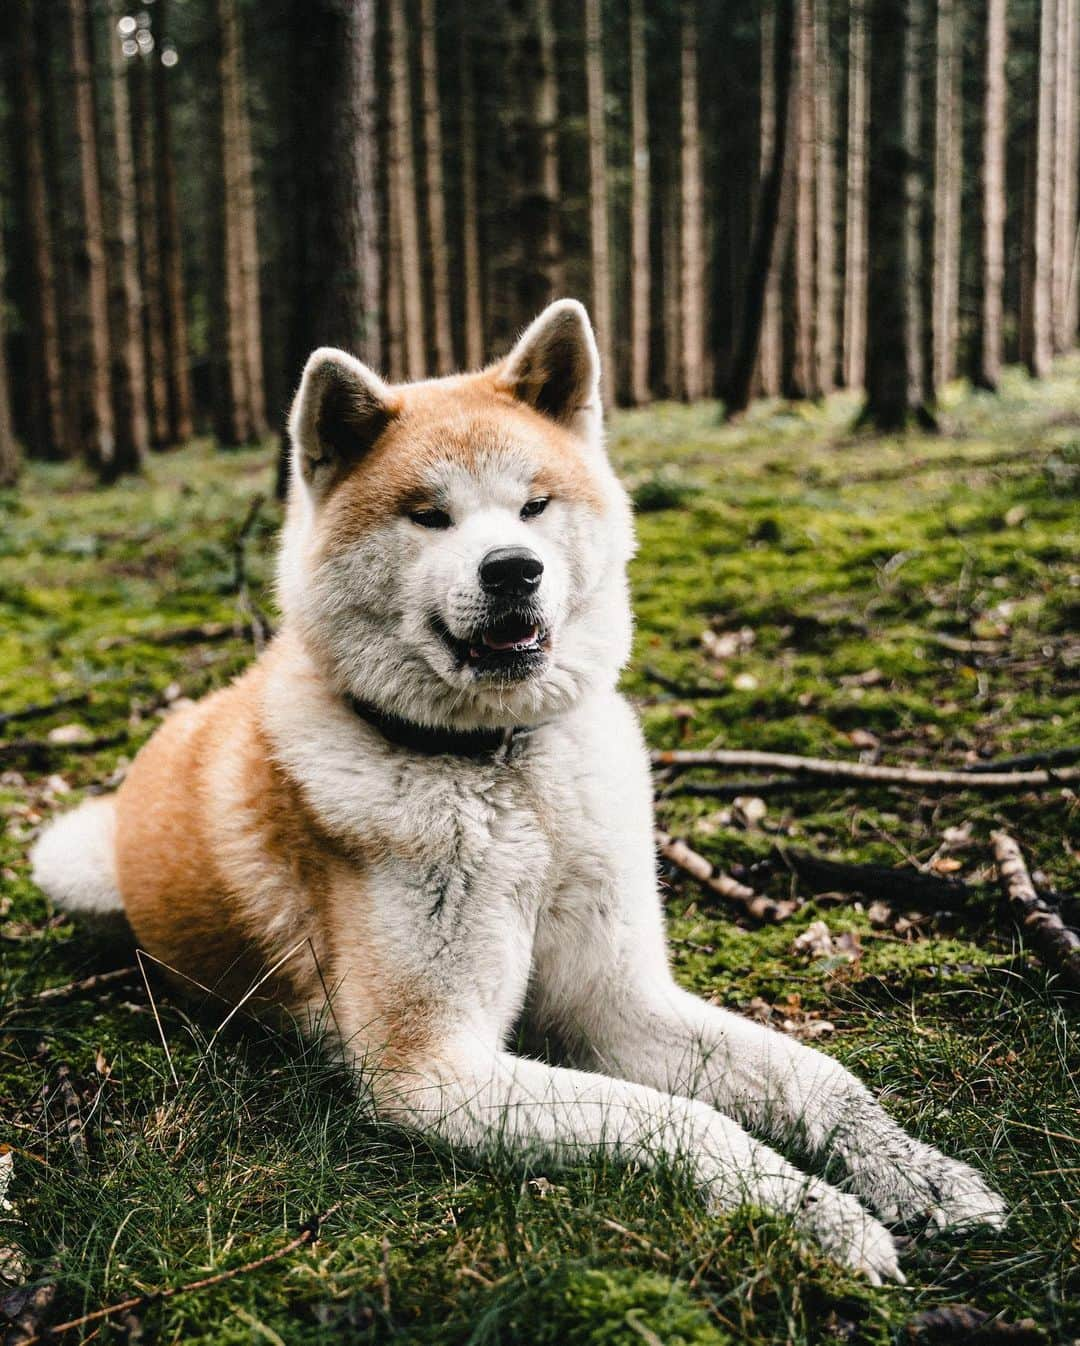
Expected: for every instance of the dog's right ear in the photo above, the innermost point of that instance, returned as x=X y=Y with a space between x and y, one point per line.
x=340 y=411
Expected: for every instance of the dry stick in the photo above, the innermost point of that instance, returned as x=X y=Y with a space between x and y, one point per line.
x=1053 y=941
x=261 y=629
x=684 y=759
x=176 y=635
x=38 y=712
x=77 y=987
x=906 y=886
x=679 y=854
x=39 y=752
x=309 y=1233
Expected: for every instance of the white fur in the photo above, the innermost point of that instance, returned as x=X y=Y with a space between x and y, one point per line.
x=74 y=859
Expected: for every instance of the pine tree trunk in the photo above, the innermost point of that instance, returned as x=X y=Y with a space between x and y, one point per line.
x=174 y=311
x=770 y=356
x=470 y=209
x=125 y=293
x=153 y=319
x=855 y=221
x=947 y=170
x=600 y=255
x=671 y=290
x=1072 y=179
x=401 y=131
x=91 y=306
x=801 y=378
x=775 y=212
x=46 y=429
x=1064 y=223
x=433 y=179
x=640 y=261
x=248 y=242
x=693 y=226
x=988 y=343
x=825 y=206
x=9 y=448
x=1036 y=330
x=895 y=379
x=393 y=301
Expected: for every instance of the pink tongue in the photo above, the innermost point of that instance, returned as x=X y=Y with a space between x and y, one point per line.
x=525 y=638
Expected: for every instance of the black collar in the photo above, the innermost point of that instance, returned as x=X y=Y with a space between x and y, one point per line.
x=432 y=742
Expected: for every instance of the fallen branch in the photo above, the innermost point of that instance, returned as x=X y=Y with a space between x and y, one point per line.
x=907 y=887
x=767 y=785
x=687 y=693
x=78 y=987
x=964 y=1323
x=309 y=1233
x=1053 y=941
x=40 y=752
x=825 y=768
x=203 y=632
x=1051 y=758
x=683 y=857
x=38 y=712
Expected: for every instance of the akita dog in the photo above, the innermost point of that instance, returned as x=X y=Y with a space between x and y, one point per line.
x=428 y=802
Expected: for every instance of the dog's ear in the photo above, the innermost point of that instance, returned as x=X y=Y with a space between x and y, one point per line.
x=340 y=411
x=555 y=367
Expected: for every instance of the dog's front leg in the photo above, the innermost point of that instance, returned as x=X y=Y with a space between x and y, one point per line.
x=648 y=1029
x=491 y=1102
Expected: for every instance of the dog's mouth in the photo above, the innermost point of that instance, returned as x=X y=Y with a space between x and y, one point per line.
x=510 y=647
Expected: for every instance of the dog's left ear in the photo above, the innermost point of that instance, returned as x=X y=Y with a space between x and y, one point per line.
x=339 y=413
x=555 y=367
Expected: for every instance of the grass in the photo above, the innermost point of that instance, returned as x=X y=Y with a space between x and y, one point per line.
x=847 y=560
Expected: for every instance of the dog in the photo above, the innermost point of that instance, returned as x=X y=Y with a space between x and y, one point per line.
x=427 y=803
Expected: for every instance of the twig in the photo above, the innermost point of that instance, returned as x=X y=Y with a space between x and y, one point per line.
x=767 y=785
x=964 y=1323
x=77 y=987
x=309 y=1233
x=260 y=627
x=157 y=1017
x=684 y=759
x=688 y=693
x=199 y=633
x=1051 y=758
x=906 y=886
x=1054 y=942
x=683 y=857
x=38 y=712
x=37 y=753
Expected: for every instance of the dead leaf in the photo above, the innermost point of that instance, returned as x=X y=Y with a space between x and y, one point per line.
x=945 y=864
x=750 y=809
x=69 y=733
x=745 y=682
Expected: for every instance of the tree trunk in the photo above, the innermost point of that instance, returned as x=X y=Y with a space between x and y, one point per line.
x=693 y=225
x=947 y=172
x=46 y=429
x=640 y=272
x=825 y=205
x=1036 y=330
x=671 y=291
x=125 y=294
x=433 y=180
x=470 y=230
x=770 y=355
x=600 y=255
x=894 y=367
x=247 y=220
x=9 y=449
x=1064 y=221
x=401 y=132
x=801 y=380
x=153 y=319
x=987 y=370
x=174 y=313
x=772 y=230
x=91 y=307
x=855 y=221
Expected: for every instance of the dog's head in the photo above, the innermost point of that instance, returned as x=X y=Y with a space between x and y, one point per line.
x=455 y=550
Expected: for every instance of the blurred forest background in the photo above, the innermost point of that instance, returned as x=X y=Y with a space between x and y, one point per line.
x=197 y=192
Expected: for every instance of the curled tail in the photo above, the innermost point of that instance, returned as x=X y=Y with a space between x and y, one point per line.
x=74 y=859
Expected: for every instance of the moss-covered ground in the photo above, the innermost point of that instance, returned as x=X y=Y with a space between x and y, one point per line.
x=916 y=599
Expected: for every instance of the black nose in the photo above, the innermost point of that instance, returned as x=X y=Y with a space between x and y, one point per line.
x=512 y=572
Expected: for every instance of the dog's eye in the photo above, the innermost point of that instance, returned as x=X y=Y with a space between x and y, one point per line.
x=534 y=507
x=431 y=518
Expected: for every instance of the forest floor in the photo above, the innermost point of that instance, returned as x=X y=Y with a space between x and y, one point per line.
x=917 y=599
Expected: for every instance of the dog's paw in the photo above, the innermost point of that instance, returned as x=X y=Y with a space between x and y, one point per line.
x=941 y=1193
x=850 y=1234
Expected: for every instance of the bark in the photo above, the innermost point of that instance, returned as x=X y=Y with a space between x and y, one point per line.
x=46 y=425
x=433 y=181
x=772 y=230
x=401 y=133
x=125 y=292
x=9 y=449
x=855 y=219
x=1036 y=329
x=988 y=344
x=640 y=262
x=248 y=248
x=679 y=854
x=947 y=171
x=770 y=356
x=470 y=231
x=692 y=230
x=1052 y=940
x=825 y=206
x=174 y=312
x=1064 y=174
x=153 y=313
x=90 y=311
x=671 y=291
x=895 y=377
x=801 y=377
x=598 y=211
